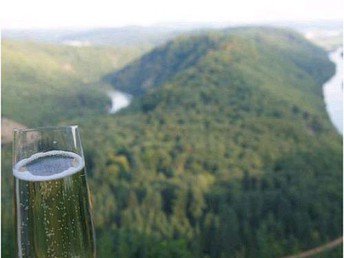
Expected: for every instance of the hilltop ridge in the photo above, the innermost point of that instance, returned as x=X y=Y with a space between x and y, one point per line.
x=164 y=62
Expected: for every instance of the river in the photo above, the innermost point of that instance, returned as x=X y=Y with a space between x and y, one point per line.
x=333 y=91
x=119 y=100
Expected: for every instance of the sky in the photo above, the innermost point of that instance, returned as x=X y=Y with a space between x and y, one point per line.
x=26 y=14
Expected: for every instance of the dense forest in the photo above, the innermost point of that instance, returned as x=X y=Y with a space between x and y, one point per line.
x=225 y=151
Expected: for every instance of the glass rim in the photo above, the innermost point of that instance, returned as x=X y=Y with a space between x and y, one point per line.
x=44 y=128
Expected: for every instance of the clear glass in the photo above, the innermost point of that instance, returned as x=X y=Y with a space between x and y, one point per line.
x=53 y=213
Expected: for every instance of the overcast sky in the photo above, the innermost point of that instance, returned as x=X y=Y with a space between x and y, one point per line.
x=102 y=13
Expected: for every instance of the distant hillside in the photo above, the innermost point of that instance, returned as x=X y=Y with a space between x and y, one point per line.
x=129 y=36
x=43 y=83
x=125 y=36
x=38 y=35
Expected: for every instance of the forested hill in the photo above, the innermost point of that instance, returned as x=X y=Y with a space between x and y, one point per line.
x=280 y=50
x=227 y=148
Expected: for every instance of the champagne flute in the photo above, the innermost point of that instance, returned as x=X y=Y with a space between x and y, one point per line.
x=53 y=215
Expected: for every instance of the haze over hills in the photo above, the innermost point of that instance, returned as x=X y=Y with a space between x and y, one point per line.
x=154 y=35
x=122 y=36
x=226 y=150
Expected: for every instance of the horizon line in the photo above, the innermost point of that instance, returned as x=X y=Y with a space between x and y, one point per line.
x=176 y=24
